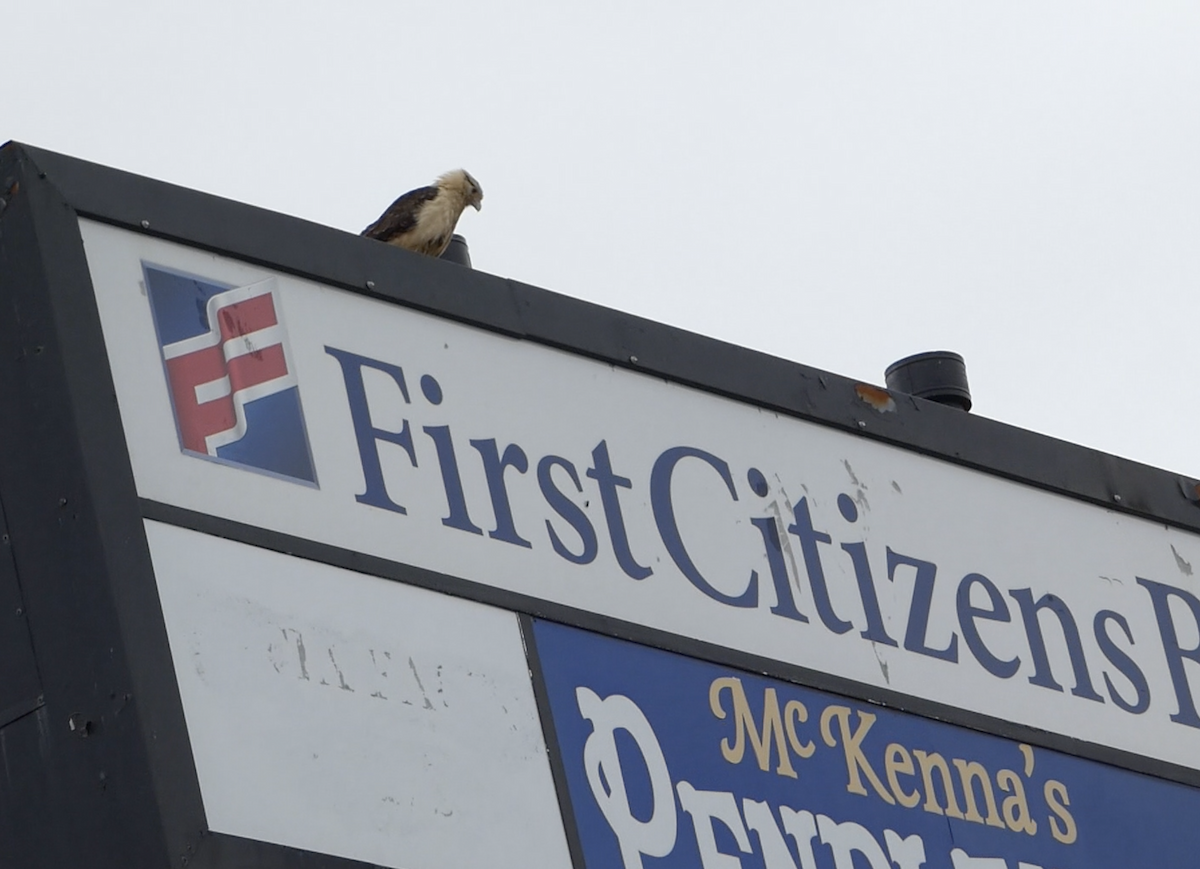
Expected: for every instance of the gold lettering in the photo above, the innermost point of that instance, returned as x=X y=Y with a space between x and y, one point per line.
x=852 y=749
x=1057 y=800
x=772 y=729
x=930 y=762
x=1015 y=808
x=1027 y=753
x=970 y=773
x=797 y=710
x=897 y=760
x=734 y=686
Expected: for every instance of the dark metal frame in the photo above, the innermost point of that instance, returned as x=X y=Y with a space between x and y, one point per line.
x=98 y=768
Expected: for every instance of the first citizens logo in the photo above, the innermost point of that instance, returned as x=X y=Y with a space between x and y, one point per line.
x=232 y=386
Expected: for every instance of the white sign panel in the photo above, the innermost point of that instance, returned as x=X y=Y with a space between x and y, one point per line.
x=354 y=716
x=277 y=402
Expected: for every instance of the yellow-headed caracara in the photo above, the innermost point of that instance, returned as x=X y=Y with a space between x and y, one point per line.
x=423 y=220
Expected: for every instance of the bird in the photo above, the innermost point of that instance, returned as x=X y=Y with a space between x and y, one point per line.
x=423 y=220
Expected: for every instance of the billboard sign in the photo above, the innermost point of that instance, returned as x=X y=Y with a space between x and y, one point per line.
x=324 y=553
x=529 y=470
x=673 y=762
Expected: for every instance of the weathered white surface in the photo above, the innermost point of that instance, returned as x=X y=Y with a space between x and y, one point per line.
x=555 y=403
x=354 y=716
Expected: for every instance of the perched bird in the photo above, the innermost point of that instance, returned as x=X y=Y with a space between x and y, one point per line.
x=423 y=220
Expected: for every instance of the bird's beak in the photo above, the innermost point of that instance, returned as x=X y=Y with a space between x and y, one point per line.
x=477 y=204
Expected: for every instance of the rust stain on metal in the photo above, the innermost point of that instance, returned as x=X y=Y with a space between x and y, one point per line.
x=880 y=399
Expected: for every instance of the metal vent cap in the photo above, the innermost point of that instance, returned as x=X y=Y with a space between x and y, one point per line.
x=939 y=375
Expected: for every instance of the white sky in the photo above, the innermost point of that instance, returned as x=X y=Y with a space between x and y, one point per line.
x=838 y=183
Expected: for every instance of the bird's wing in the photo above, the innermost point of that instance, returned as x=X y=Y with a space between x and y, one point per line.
x=401 y=215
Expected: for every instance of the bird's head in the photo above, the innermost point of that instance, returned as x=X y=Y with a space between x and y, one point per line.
x=462 y=183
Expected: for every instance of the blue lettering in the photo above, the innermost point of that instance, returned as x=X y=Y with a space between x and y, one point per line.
x=875 y=631
x=668 y=529
x=1042 y=676
x=1161 y=595
x=365 y=431
x=493 y=467
x=1122 y=662
x=918 y=611
x=568 y=510
x=802 y=528
x=451 y=480
x=968 y=613
x=785 y=603
x=602 y=472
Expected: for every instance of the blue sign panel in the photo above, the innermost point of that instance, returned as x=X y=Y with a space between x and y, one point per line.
x=674 y=762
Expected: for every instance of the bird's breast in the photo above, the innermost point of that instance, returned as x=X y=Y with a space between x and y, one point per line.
x=439 y=216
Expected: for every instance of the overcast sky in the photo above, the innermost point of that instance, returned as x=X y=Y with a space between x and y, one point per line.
x=838 y=183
